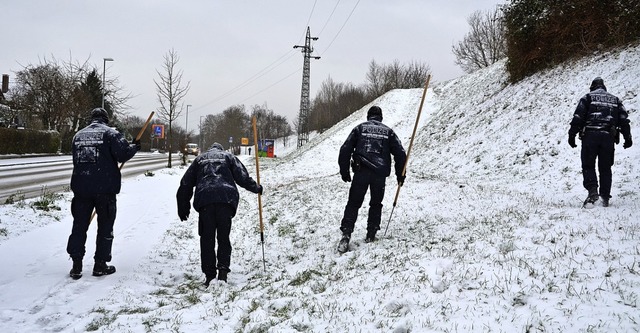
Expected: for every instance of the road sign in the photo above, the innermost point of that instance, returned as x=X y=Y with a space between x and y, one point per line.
x=158 y=131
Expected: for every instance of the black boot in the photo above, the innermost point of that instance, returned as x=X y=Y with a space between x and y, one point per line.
x=605 y=200
x=371 y=237
x=208 y=279
x=76 y=270
x=222 y=275
x=591 y=198
x=101 y=268
x=343 y=246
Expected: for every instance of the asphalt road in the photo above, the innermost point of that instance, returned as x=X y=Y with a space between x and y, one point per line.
x=29 y=177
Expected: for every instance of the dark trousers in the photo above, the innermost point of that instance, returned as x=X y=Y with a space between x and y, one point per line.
x=81 y=209
x=364 y=179
x=214 y=222
x=597 y=145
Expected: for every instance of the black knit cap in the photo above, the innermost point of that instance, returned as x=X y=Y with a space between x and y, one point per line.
x=375 y=111
x=101 y=114
x=597 y=83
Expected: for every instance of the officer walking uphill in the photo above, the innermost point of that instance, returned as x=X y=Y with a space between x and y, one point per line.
x=599 y=118
x=368 y=149
x=95 y=181
x=214 y=175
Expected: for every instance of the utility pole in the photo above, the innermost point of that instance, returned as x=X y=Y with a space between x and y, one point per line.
x=303 y=116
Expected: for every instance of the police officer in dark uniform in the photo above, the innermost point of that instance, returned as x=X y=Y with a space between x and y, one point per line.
x=214 y=175
x=95 y=181
x=368 y=149
x=599 y=118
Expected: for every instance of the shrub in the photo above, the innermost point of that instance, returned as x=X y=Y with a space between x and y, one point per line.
x=543 y=33
x=25 y=141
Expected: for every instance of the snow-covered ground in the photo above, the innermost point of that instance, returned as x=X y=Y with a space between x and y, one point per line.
x=488 y=234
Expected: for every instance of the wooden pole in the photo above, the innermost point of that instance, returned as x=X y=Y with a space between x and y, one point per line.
x=255 y=149
x=406 y=162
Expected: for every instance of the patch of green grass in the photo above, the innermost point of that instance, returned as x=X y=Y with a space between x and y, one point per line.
x=104 y=320
x=15 y=198
x=193 y=297
x=303 y=277
x=273 y=219
x=149 y=323
x=47 y=200
x=286 y=229
x=160 y=292
x=139 y=309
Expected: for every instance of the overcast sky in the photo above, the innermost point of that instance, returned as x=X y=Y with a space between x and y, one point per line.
x=234 y=51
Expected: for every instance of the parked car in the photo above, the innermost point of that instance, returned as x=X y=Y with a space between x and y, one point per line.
x=192 y=149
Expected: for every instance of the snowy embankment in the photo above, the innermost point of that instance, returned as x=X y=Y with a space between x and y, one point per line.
x=487 y=235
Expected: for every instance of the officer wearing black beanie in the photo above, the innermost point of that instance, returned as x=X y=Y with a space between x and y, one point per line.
x=599 y=117
x=368 y=149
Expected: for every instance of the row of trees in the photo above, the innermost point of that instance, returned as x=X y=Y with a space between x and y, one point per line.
x=235 y=122
x=55 y=95
x=335 y=101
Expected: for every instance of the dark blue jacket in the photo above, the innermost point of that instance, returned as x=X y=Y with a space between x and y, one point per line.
x=374 y=143
x=214 y=175
x=600 y=111
x=96 y=150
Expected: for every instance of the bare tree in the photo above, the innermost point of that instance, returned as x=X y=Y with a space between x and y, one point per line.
x=383 y=78
x=269 y=124
x=485 y=44
x=171 y=91
x=415 y=74
x=375 y=80
x=334 y=102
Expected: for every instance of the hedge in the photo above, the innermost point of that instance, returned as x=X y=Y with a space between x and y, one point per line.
x=26 y=141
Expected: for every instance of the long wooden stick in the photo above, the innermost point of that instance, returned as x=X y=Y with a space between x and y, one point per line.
x=137 y=139
x=406 y=162
x=255 y=147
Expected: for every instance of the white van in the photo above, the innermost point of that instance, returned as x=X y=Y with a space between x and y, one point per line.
x=192 y=149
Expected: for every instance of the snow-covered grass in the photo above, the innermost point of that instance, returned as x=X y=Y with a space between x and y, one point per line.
x=488 y=234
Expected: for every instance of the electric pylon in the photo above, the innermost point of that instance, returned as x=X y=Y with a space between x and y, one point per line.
x=303 y=116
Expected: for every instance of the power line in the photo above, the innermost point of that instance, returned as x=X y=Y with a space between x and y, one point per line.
x=310 y=14
x=256 y=76
x=278 y=62
x=339 y=31
x=328 y=18
x=272 y=85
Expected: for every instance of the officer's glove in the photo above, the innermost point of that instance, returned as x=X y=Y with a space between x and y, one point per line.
x=183 y=216
x=401 y=180
x=627 y=142
x=346 y=177
x=138 y=145
x=572 y=141
x=260 y=189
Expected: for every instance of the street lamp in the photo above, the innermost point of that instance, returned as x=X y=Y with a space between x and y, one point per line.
x=186 y=123
x=104 y=69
